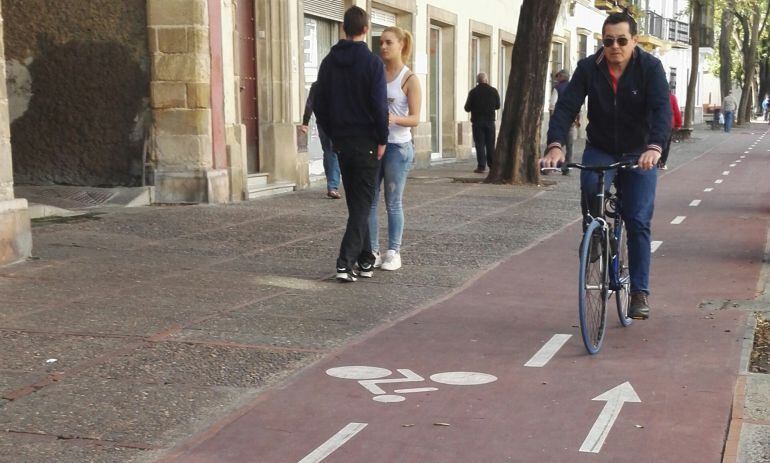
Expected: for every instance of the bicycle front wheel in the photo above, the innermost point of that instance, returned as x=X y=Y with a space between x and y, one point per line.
x=593 y=287
x=623 y=291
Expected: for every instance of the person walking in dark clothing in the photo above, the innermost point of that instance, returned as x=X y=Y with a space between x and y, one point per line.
x=331 y=164
x=351 y=108
x=482 y=102
x=562 y=80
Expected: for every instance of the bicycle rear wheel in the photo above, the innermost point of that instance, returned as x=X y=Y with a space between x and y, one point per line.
x=593 y=287
x=623 y=291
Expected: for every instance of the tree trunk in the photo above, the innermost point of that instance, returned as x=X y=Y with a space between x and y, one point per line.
x=750 y=57
x=764 y=82
x=749 y=69
x=518 y=143
x=696 y=20
x=725 y=58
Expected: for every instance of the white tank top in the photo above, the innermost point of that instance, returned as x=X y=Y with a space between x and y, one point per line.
x=398 y=105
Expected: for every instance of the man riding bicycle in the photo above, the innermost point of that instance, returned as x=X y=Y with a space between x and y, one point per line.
x=629 y=117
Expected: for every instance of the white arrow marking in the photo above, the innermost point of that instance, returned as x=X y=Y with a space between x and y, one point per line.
x=615 y=399
x=695 y=203
x=549 y=349
x=679 y=219
x=655 y=245
x=335 y=442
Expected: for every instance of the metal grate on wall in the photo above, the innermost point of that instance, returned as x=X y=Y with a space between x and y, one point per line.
x=329 y=9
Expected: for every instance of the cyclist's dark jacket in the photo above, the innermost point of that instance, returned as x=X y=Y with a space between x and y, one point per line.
x=638 y=117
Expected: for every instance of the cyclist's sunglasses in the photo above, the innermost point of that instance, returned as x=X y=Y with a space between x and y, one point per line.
x=622 y=41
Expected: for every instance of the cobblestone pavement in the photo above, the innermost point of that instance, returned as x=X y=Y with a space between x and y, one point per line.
x=133 y=329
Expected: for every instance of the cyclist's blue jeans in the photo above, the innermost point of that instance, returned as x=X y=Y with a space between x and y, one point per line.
x=396 y=163
x=638 y=201
x=331 y=163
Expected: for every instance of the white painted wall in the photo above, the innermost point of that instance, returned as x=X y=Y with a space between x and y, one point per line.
x=500 y=14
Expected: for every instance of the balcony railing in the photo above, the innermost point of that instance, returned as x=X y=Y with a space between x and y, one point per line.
x=678 y=31
x=653 y=24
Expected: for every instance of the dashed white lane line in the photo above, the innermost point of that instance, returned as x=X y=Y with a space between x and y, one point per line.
x=733 y=165
x=719 y=180
x=549 y=349
x=727 y=172
x=744 y=157
x=655 y=245
x=695 y=203
x=746 y=152
x=679 y=219
x=335 y=442
x=707 y=190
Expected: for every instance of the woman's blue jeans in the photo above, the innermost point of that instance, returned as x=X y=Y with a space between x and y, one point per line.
x=331 y=163
x=396 y=163
x=638 y=202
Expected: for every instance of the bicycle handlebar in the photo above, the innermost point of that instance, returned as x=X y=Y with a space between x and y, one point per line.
x=614 y=165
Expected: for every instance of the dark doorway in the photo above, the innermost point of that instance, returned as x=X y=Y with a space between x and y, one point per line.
x=247 y=31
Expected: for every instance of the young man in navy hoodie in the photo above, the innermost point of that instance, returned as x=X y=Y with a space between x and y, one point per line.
x=351 y=107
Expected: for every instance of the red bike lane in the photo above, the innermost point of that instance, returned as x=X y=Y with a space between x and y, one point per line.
x=680 y=366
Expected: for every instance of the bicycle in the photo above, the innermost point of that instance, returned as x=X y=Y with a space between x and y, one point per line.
x=604 y=242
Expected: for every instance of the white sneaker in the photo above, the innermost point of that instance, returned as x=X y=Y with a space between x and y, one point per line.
x=392 y=260
x=377 y=259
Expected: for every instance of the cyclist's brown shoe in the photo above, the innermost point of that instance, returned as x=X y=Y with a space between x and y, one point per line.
x=639 y=309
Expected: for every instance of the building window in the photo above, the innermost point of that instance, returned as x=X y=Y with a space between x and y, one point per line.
x=582 y=46
x=380 y=20
x=557 y=57
x=475 y=58
x=320 y=35
x=506 y=50
x=672 y=79
x=480 y=58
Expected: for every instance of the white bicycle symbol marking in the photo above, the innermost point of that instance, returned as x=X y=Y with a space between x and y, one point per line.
x=371 y=377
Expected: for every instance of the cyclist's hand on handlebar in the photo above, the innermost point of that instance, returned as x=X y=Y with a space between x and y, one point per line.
x=553 y=158
x=649 y=160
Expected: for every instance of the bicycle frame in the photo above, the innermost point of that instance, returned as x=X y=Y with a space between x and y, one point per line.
x=610 y=230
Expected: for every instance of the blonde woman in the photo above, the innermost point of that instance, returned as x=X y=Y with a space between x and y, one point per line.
x=404 y=113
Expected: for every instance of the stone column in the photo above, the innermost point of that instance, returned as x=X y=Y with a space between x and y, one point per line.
x=15 y=234
x=277 y=129
x=181 y=102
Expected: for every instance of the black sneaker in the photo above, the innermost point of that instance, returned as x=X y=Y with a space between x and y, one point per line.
x=365 y=270
x=345 y=275
x=639 y=308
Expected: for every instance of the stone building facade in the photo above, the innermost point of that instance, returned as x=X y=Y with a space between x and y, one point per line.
x=15 y=234
x=203 y=98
